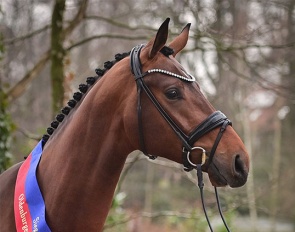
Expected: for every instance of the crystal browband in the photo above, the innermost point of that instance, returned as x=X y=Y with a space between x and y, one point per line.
x=191 y=79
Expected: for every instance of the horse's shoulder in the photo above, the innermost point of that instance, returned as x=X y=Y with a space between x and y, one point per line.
x=7 y=183
x=9 y=175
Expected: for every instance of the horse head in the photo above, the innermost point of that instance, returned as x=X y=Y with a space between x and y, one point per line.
x=167 y=94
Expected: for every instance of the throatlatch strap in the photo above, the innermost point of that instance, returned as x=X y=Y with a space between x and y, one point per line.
x=135 y=65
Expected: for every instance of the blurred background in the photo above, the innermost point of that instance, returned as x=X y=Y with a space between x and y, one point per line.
x=243 y=56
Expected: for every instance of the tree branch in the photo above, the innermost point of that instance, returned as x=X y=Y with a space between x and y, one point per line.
x=109 y=36
x=27 y=36
x=119 y=24
x=77 y=19
x=72 y=25
x=260 y=82
x=19 y=88
x=152 y=215
x=29 y=135
x=223 y=48
x=126 y=171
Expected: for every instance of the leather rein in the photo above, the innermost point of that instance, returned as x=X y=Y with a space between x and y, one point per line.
x=216 y=119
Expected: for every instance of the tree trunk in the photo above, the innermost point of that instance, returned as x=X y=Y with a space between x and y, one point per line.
x=57 y=56
x=5 y=121
x=148 y=201
x=275 y=173
x=248 y=135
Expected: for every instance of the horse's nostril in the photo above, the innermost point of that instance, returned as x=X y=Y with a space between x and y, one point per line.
x=239 y=166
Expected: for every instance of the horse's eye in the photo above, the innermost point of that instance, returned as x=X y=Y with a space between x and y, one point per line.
x=172 y=94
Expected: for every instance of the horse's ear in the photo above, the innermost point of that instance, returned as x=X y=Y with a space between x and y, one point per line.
x=160 y=40
x=180 y=41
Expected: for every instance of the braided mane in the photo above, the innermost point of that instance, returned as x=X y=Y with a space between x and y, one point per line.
x=77 y=96
x=90 y=81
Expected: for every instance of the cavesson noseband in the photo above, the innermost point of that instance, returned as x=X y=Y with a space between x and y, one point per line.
x=213 y=121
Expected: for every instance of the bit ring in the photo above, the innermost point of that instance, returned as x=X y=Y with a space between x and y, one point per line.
x=203 y=156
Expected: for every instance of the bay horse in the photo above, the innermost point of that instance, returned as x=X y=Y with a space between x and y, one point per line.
x=143 y=100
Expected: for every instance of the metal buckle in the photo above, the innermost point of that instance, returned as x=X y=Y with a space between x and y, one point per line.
x=203 y=156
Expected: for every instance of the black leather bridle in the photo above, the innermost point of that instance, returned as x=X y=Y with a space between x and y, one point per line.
x=217 y=119
x=213 y=121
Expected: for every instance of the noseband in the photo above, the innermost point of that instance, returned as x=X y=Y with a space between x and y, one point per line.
x=213 y=121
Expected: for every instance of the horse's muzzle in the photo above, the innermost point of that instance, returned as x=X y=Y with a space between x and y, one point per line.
x=235 y=177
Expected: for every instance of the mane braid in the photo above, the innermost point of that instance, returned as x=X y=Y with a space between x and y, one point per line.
x=77 y=96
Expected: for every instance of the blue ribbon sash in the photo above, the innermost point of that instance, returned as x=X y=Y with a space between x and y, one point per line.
x=29 y=206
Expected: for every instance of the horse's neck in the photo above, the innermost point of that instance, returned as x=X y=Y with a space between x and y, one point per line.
x=81 y=164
